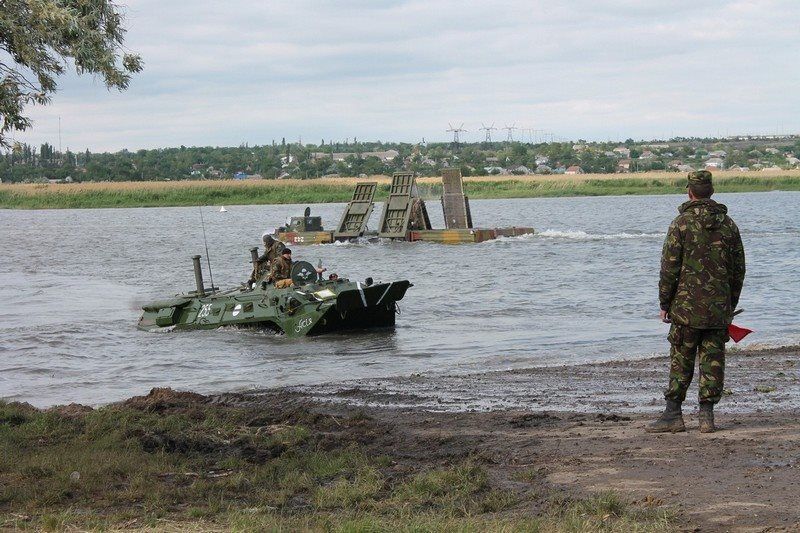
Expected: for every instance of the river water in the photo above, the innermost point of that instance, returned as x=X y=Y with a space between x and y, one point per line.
x=583 y=289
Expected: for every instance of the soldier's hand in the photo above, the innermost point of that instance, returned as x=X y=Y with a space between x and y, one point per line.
x=664 y=318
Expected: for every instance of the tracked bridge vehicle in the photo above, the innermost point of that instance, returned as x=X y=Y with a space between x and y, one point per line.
x=404 y=216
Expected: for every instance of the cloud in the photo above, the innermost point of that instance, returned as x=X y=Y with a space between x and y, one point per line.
x=225 y=73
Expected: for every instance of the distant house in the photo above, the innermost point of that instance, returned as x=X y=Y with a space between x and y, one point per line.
x=622 y=151
x=624 y=165
x=685 y=168
x=519 y=169
x=715 y=162
x=737 y=168
x=647 y=154
x=493 y=160
x=495 y=170
x=574 y=169
x=239 y=175
x=579 y=147
x=718 y=153
x=793 y=161
x=543 y=169
x=198 y=166
x=542 y=160
x=771 y=150
x=385 y=156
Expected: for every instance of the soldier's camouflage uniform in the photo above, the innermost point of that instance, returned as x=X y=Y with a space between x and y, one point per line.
x=702 y=272
x=281 y=269
x=271 y=252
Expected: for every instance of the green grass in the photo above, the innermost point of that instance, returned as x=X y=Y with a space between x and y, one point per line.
x=220 y=193
x=621 y=187
x=201 y=467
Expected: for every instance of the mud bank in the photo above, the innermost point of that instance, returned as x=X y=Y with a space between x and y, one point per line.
x=566 y=451
x=755 y=380
x=580 y=430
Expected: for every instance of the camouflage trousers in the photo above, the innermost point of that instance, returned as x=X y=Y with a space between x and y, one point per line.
x=688 y=343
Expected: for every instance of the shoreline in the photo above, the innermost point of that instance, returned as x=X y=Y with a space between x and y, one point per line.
x=315 y=458
x=757 y=378
x=338 y=190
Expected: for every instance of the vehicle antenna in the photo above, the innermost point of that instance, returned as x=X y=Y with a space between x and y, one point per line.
x=205 y=241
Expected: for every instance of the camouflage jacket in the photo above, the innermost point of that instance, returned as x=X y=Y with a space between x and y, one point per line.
x=281 y=269
x=702 y=266
x=271 y=252
x=264 y=261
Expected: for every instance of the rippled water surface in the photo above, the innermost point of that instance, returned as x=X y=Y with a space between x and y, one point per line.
x=583 y=289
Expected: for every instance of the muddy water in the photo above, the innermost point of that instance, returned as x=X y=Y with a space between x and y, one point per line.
x=583 y=289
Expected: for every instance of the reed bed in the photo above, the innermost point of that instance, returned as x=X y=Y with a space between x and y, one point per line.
x=230 y=192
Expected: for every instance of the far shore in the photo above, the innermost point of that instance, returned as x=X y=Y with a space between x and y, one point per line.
x=327 y=190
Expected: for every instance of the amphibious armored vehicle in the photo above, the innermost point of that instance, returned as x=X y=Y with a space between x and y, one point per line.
x=310 y=306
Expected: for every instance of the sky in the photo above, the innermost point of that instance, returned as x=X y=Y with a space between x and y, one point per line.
x=234 y=72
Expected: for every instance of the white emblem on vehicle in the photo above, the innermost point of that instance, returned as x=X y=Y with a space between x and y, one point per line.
x=204 y=311
x=304 y=323
x=237 y=310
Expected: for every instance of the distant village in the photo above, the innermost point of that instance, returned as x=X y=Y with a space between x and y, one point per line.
x=333 y=159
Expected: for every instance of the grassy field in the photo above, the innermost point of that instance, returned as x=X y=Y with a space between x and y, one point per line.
x=176 y=462
x=190 y=193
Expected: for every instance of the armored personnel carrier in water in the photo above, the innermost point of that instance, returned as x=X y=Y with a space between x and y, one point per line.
x=310 y=306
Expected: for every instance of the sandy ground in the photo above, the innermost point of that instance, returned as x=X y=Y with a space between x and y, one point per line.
x=580 y=429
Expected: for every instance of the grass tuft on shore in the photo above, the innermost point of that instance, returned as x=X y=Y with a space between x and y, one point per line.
x=174 y=461
x=193 y=193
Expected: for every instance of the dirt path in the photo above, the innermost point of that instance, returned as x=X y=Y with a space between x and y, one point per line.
x=742 y=478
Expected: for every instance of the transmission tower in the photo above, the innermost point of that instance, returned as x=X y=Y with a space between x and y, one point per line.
x=456 y=131
x=510 y=130
x=488 y=131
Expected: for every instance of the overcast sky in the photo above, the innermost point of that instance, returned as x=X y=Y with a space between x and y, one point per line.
x=226 y=73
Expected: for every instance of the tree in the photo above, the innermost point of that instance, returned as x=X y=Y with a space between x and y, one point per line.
x=39 y=37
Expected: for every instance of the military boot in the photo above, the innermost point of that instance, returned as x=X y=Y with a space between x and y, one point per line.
x=670 y=421
x=707 y=418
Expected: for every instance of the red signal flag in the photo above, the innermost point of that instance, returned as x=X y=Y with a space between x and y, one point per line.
x=738 y=333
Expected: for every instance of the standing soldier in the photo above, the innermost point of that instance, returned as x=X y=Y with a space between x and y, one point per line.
x=272 y=250
x=702 y=272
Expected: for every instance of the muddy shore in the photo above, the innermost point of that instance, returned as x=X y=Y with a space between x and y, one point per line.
x=580 y=430
x=513 y=450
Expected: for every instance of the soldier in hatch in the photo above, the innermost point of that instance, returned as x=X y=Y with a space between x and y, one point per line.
x=702 y=272
x=272 y=250
x=281 y=269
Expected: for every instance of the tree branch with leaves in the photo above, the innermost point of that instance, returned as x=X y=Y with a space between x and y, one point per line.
x=39 y=39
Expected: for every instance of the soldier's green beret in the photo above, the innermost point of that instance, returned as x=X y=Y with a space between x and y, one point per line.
x=699 y=177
